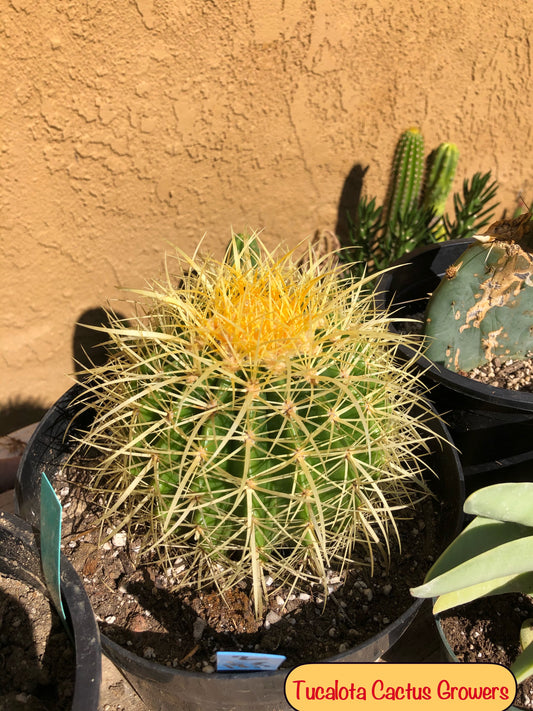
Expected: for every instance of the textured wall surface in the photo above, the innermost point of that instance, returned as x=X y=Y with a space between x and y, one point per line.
x=127 y=125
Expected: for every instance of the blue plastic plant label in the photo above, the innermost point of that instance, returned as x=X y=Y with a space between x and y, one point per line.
x=51 y=542
x=248 y=661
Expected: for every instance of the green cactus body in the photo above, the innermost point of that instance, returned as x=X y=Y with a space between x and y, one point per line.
x=407 y=175
x=256 y=422
x=438 y=184
x=484 y=304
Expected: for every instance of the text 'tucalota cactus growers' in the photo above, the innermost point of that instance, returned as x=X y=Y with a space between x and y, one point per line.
x=253 y=423
x=483 y=306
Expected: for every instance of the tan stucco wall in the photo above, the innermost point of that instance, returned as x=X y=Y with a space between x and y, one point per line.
x=125 y=125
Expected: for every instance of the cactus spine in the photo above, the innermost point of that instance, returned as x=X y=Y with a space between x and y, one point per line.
x=482 y=307
x=254 y=422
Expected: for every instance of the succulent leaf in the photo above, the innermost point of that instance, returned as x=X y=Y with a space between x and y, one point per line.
x=522 y=667
x=491 y=556
x=497 y=586
x=510 y=501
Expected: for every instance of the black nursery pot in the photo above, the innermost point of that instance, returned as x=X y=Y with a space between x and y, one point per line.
x=492 y=427
x=166 y=689
x=20 y=559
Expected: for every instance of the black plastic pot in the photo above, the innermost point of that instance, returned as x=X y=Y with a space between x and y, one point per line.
x=163 y=688
x=449 y=654
x=492 y=427
x=20 y=559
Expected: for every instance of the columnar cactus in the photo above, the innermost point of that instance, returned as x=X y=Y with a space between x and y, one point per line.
x=414 y=210
x=407 y=175
x=416 y=201
x=482 y=307
x=438 y=184
x=254 y=422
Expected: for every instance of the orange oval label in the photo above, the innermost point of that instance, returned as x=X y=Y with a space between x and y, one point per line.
x=334 y=687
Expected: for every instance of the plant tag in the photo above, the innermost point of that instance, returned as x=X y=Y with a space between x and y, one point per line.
x=248 y=661
x=50 y=543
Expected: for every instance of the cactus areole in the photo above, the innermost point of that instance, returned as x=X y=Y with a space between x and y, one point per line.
x=253 y=424
x=483 y=307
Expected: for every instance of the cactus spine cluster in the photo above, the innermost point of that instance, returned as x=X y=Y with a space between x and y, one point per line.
x=254 y=423
x=482 y=307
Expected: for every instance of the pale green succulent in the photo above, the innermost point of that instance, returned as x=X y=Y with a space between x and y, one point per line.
x=491 y=556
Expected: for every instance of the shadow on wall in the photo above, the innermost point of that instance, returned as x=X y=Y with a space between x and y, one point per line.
x=19 y=412
x=88 y=347
x=88 y=344
x=348 y=202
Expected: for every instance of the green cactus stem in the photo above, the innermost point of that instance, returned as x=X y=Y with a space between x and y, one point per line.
x=484 y=304
x=414 y=210
x=407 y=175
x=438 y=184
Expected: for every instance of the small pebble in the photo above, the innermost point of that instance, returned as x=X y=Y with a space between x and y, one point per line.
x=272 y=617
x=120 y=539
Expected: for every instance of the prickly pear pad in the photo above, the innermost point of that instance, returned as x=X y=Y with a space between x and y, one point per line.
x=483 y=306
